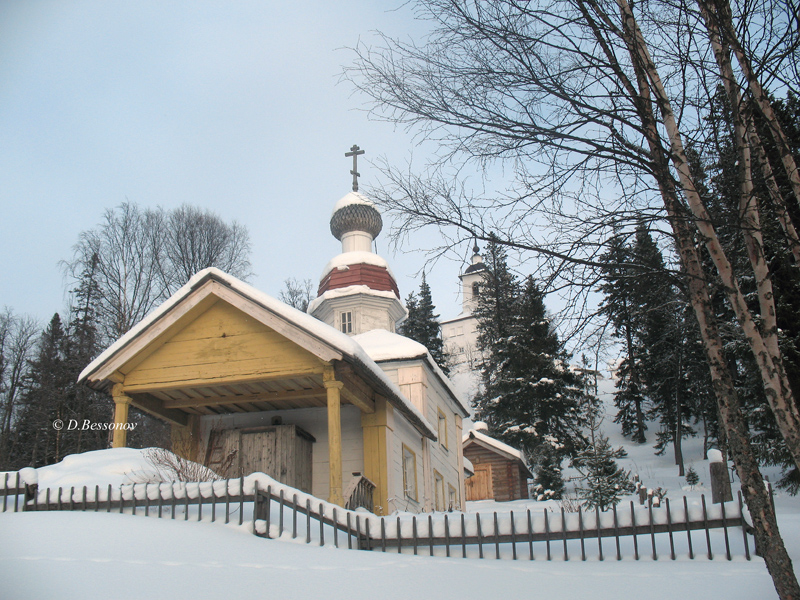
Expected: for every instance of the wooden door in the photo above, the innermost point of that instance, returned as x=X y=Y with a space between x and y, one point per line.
x=479 y=486
x=259 y=454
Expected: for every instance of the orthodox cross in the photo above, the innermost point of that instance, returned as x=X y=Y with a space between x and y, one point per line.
x=355 y=151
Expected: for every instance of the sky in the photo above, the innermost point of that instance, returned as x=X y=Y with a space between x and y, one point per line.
x=234 y=107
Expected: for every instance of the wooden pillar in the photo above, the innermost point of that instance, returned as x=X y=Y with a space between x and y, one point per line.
x=333 y=388
x=460 y=462
x=377 y=428
x=121 y=405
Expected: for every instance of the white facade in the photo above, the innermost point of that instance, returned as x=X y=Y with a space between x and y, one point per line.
x=460 y=334
x=422 y=474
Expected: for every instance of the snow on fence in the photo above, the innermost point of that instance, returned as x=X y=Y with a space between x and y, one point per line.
x=278 y=511
x=512 y=535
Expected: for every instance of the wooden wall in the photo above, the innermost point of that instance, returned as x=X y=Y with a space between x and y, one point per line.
x=508 y=482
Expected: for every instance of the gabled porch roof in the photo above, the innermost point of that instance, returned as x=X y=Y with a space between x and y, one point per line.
x=305 y=354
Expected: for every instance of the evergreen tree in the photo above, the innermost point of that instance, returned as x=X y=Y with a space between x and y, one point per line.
x=723 y=203
x=530 y=398
x=603 y=481
x=549 y=481
x=692 y=478
x=422 y=324
x=39 y=441
x=82 y=347
x=617 y=305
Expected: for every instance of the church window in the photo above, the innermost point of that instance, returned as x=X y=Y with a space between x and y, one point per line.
x=347 y=322
x=443 y=430
x=476 y=289
x=452 y=497
x=438 y=486
x=409 y=473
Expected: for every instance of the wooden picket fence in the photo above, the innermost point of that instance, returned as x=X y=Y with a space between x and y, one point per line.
x=278 y=511
x=389 y=533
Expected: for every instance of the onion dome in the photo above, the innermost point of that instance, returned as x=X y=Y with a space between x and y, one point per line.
x=477 y=262
x=355 y=212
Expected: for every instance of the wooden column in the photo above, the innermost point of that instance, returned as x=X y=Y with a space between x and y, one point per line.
x=460 y=463
x=121 y=405
x=377 y=428
x=333 y=388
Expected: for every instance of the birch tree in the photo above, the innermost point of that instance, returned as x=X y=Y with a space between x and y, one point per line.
x=586 y=98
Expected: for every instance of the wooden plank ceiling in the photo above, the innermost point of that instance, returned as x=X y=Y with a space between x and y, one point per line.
x=252 y=396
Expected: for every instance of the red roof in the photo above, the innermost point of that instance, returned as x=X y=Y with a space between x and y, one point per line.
x=372 y=276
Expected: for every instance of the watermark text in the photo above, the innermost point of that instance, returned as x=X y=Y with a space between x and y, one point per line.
x=88 y=425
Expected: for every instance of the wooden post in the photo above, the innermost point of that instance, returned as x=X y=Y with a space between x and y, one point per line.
x=744 y=526
x=547 y=532
x=688 y=530
x=463 y=536
x=121 y=405
x=635 y=540
x=705 y=525
x=669 y=529
x=446 y=535
x=720 y=484
x=597 y=524
x=530 y=535
x=333 y=389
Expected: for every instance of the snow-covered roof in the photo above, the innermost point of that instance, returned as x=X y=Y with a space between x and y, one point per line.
x=385 y=346
x=344 y=260
x=351 y=351
x=496 y=444
x=352 y=198
x=468 y=466
x=350 y=290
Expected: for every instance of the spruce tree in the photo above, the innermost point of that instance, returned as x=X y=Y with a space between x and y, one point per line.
x=549 y=480
x=603 y=482
x=530 y=398
x=618 y=306
x=39 y=441
x=692 y=478
x=422 y=324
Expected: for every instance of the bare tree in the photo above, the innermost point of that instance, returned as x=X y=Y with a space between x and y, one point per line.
x=297 y=293
x=141 y=256
x=196 y=239
x=592 y=102
x=18 y=335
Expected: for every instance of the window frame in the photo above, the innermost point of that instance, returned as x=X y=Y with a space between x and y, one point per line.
x=438 y=498
x=452 y=497
x=444 y=440
x=408 y=455
x=346 y=321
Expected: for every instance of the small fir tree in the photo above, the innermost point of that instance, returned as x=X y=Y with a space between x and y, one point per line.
x=692 y=478
x=603 y=481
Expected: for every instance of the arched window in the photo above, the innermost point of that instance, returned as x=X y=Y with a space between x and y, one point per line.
x=476 y=289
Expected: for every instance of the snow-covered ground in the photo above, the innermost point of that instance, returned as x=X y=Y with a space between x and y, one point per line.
x=72 y=555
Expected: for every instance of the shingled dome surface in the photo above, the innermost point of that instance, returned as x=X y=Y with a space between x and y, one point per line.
x=355 y=212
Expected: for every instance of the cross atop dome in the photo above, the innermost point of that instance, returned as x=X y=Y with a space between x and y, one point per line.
x=355 y=152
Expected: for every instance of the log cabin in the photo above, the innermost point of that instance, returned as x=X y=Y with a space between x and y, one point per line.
x=499 y=471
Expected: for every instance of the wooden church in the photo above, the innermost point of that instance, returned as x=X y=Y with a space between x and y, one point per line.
x=323 y=401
